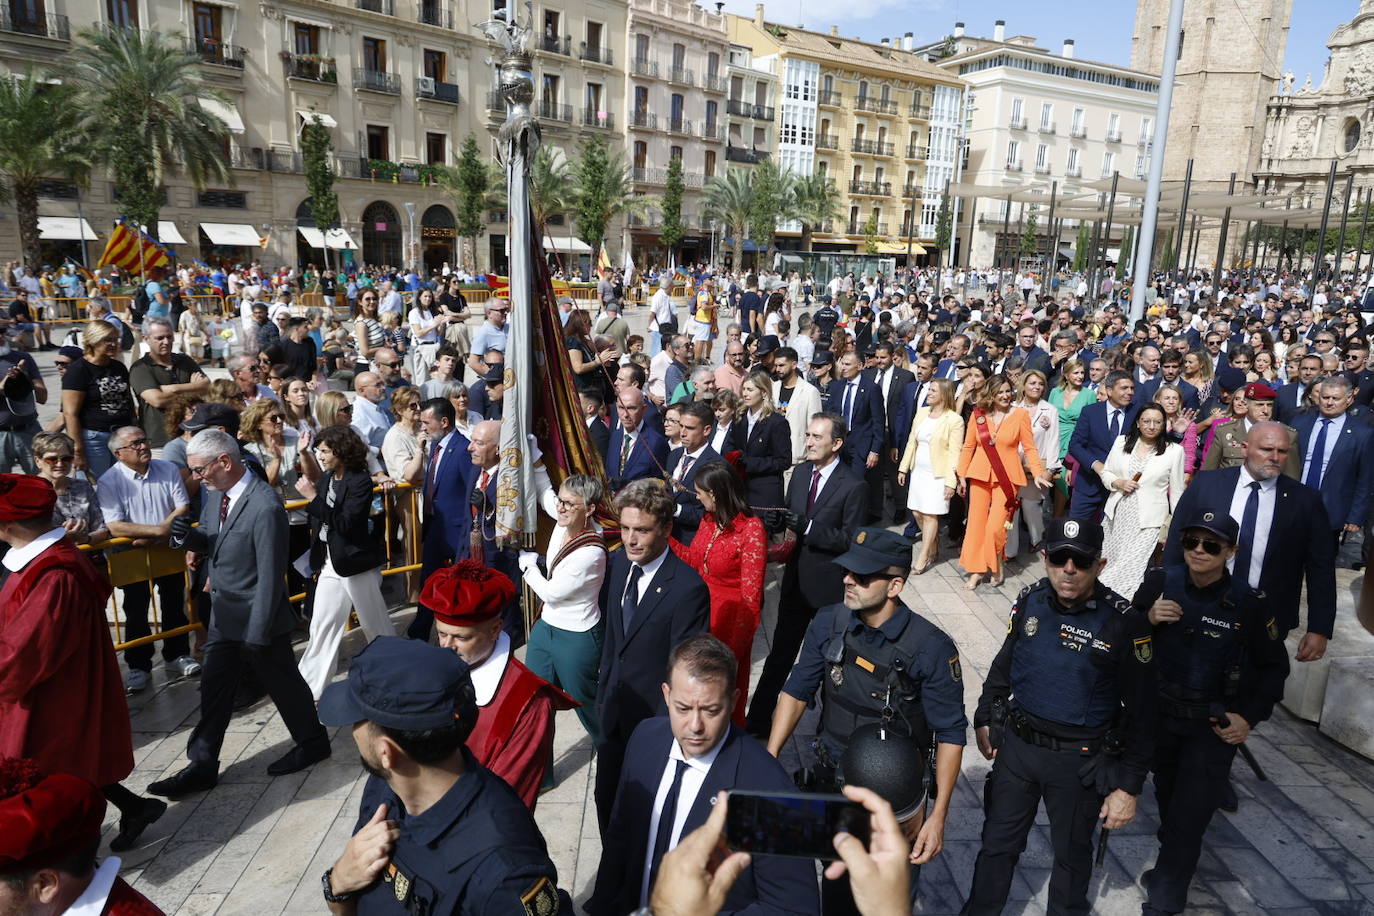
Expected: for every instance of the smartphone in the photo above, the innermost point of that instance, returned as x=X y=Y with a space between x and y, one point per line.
x=795 y=824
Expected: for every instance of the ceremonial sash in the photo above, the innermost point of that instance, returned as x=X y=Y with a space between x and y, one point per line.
x=999 y=470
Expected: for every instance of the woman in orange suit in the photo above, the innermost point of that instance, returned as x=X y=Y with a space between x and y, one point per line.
x=997 y=426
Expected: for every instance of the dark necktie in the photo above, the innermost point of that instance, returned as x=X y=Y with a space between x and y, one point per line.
x=663 y=836
x=916 y=400
x=429 y=477
x=1313 y=477
x=684 y=467
x=1247 y=533
x=815 y=488
x=848 y=405
x=1115 y=427
x=629 y=605
x=223 y=509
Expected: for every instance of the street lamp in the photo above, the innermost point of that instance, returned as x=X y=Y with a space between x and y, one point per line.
x=414 y=243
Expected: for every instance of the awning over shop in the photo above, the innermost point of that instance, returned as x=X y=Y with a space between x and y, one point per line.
x=65 y=229
x=313 y=237
x=226 y=113
x=326 y=120
x=236 y=234
x=565 y=245
x=340 y=240
x=168 y=233
x=900 y=248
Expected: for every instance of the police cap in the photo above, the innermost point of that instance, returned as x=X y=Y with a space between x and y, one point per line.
x=1082 y=537
x=1217 y=521
x=875 y=549
x=825 y=299
x=822 y=358
x=767 y=344
x=207 y=415
x=403 y=684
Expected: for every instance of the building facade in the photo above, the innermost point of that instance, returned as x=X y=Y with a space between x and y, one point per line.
x=1037 y=116
x=751 y=108
x=868 y=116
x=399 y=83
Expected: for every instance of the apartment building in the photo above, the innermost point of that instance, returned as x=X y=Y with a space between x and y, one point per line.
x=399 y=83
x=675 y=96
x=1039 y=116
x=751 y=109
x=869 y=116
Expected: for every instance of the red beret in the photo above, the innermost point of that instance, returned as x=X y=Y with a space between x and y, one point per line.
x=467 y=593
x=43 y=820
x=25 y=496
x=1258 y=391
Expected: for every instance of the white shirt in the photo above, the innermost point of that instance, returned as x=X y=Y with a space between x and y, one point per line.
x=1268 y=496
x=820 y=485
x=572 y=591
x=369 y=421
x=93 y=899
x=391 y=302
x=692 y=779
x=1116 y=415
x=486 y=677
x=662 y=307
x=647 y=576
x=141 y=499
x=19 y=557
x=683 y=463
x=433 y=473
x=1333 y=435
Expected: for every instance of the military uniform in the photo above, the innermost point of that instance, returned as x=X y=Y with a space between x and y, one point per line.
x=1054 y=700
x=1228 y=448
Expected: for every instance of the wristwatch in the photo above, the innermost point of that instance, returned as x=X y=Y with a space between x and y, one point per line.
x=329 y=895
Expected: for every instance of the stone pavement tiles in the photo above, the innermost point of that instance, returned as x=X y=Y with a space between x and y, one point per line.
x=1302 y=843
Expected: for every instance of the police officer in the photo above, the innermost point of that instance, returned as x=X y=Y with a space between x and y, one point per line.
x=873 y=660
x=826 y=317
x=1067 y=714
x=1221 y=667
x=437 y=832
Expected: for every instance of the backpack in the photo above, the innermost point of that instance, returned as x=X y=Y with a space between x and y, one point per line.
x=139 y=307
x=126 y=337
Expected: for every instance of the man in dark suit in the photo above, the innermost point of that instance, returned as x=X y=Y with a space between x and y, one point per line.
x=651 y=601
x=598 y=430
x=486 y=396
x=242 y=536
x=859 y=403
x=633 y=451
x=446 y=510
x=891 y=380
x=826 y=502
x=1337 y=455
x=696 y=423
x=955 y=350
x=1285 y=537
x=1292 y=397
x=1147 y=361
x=485 y=452
x=1170 y=373
x=1027 y=349
x=674 y=768
x=913 y=396
x=1098 y=426
x=1355 y=363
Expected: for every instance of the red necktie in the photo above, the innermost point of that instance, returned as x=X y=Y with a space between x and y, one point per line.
x=482 y=488
x=815 y=488
x=223 y=509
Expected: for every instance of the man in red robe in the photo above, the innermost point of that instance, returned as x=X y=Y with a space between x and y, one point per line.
x=514 y=733
x=61 y=695
x=49 y=834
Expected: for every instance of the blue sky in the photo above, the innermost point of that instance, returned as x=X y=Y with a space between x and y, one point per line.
x=1050 y=21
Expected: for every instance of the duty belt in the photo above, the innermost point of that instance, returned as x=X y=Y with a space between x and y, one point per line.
x=1027 y=733
x=1183 y=710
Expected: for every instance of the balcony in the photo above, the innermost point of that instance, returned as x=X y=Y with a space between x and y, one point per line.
x=214 y=51
x=713 y=132
x=682 y=76
x=496 y=104
x=829 y=99
x=594 y=54
x=376 y=81
x=311 y=67
x=1017 y=123
x=1113 y=136
x=1142 y=142
x=713 y=83
x=641 y=66
x=679 y=126
x=553 y=111
x=877 y=106
x=592 y=117
x=643 y=175
x=860 y=227
x=50 y=25
x=916 y=151
x=385 y=7
x=741 y=154
x=919 y=112
x=433 y=14
x=872 y=148
x=1078 y=131
x=1047 y=127
x=827 y=141
x=266 y=160
x=747 y=110
x=432 y=89
x=644 y=120
x=1074 y=171
x=1014 y=165
x=871 y=188
x=912 y=190
x=555 y=45
x=1042 y=168
x=406 y=172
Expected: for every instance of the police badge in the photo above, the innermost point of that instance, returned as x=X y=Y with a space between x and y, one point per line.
x=1031 y=626
x=1144 y=650
x=837 y=675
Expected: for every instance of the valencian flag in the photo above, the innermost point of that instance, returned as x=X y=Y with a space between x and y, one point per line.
x=132 y=250
x=500 y=286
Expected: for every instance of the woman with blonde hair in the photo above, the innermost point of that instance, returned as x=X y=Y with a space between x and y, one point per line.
x=286 y=459
x=1197 y=371
x=332 y=408
x=96 y=397
x=77 y=509
x=932 y=451
x=763 y=439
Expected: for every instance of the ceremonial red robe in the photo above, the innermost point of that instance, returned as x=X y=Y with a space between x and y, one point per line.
x=61 y=696
x=514 y=733
x=125 y=901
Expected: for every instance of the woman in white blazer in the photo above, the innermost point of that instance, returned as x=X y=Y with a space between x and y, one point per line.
x=930 y=459
x=1143 y=474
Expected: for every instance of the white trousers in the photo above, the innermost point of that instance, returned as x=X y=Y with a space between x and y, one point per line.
x=335 y=595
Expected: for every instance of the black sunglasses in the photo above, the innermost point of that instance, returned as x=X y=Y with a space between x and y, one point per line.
x=1193 y=542
x=864 y=580
x=1062 y=557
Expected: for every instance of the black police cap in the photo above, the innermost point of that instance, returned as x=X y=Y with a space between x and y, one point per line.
x=1082 y=537
x=403 y=684
x=1217 y=521
x=875 y=549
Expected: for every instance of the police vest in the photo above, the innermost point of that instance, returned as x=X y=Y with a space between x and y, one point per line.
x=1061 y=669
x=1196 y=652
x=862 y=680
x=826 y=318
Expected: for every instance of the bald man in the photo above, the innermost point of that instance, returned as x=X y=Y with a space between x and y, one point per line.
x=371 y=419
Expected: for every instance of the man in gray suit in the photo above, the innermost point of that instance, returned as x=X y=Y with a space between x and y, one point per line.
x=242 y=535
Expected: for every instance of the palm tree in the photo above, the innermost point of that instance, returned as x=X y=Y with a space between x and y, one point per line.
x=730 y=200
x=816 y=200
x=773 y=197
x=151 y=89
x=40 y=137
x=602 y=190
x=550 y=190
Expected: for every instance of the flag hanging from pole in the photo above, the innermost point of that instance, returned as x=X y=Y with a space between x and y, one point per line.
x=131 y=250
x=629 y=266
x=603 y=260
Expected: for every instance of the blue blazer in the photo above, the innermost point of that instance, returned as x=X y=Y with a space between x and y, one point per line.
x=906 y=412
x=1349 y=475
x=480 y=402
x=690 y=513
x=1288 y=404
x=1091 y=441
x=448 y=530
x=770 y=886
x=945 y=370
x=1145 y=393
x=867 y=424
x=648 y=455
x=1035 y=359
x=1300 y=546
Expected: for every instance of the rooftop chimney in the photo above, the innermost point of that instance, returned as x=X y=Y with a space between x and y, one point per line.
x=758 y=15
x=958 y=30
x=999 y=30
x=887 y=42
x=835 y=31
x=908 y=41
x=1068 y=47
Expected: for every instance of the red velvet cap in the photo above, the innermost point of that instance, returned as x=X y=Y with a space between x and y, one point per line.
x=43 y=820
x=467 y=593
x=25 y=496
x=1258 y=391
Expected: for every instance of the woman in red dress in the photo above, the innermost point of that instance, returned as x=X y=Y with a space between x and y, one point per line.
x=729 y=552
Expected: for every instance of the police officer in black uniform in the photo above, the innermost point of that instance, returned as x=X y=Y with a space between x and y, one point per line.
x=873 y=660
x=1221 y=667
x=437 y=832
x=826 y=317
x=1067 y=714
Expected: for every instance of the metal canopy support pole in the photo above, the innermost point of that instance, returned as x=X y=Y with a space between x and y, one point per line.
x=1363 y=207
x=1111 y=212
x=1256 y=227
x=1092 y=258
x=1149 y=220
x=1320 y=260
x=1345 y=215
x=1180 y=251
x=1053 y=244
x=1220 y=265
x=1190 y=253
x=1006 y=247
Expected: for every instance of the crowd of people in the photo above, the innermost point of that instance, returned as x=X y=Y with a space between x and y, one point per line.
x=1185 y=473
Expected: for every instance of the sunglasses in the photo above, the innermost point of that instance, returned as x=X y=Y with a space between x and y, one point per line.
x=56 y=459
x=388 y=365
x=1060 y=558
x=1213 y=548
x=62 y=364
x=864 y=580
x=276 y=418
x=348 y=408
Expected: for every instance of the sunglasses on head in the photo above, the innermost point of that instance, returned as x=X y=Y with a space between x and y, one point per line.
x=1063 y=556
x=1193 y=542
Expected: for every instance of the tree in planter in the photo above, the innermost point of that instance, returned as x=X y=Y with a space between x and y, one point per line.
x=152 y=89
x=774 y=190
x=728 y=201
x=944 y=227
x=1081 y=246
x=40 y=136
x=672 y=232
x=601 y=192
x=871 y=234
x=316 y=150
x=1028 y=240
x=816 y=201
x=470 y=183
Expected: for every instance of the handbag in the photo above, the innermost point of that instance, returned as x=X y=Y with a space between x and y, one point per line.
x=999 y=470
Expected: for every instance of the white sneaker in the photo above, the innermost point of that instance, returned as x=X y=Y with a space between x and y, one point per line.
x=184 y=666
x=137 y=681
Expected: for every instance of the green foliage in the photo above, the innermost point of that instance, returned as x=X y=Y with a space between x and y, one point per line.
x=316 y=149
x=550 y=194
x=1164 y=252
x=815 y=201
x=1127 y=252
x=1028 y=237
x=944 y=224
x=871 y=234
x=601 y=191
x=773 y=199
x=473 y=185
x=1081 y=246
x=672 y=232
x=729 y=200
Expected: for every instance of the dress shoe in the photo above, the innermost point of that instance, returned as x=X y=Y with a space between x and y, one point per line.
x=195 y=778
x=132 y=826
x=298 y=758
